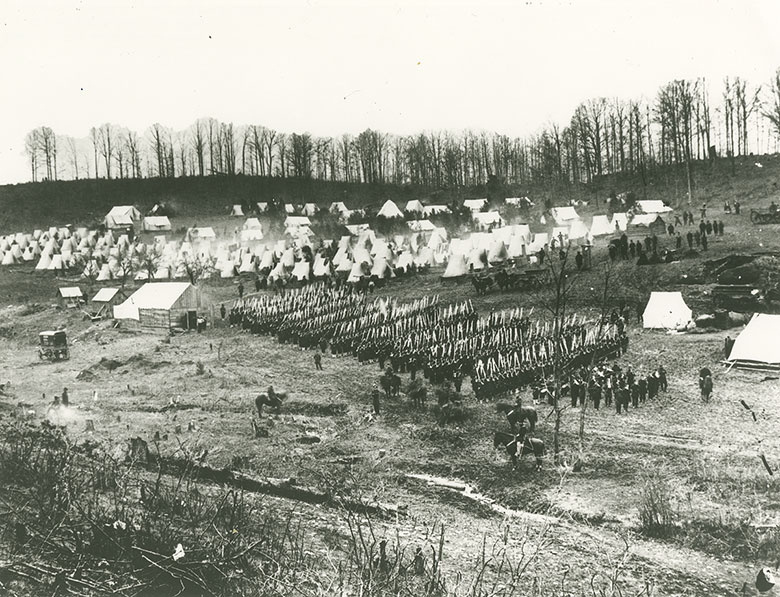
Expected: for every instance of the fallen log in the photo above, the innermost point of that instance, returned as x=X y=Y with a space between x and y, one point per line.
x=284 y=488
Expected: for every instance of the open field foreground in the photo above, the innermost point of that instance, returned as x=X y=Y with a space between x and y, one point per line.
x=562 y=531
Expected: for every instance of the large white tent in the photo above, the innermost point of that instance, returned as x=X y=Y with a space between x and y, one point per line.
x=757 y=346
x=563 y=216
x=121 y=216
x=390 y=210
x=653 y=207
x=666 y=310
x=601 y=226
x=475 y=204
x=456 y=267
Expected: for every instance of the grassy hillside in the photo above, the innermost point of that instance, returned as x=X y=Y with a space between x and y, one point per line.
x=29 y=205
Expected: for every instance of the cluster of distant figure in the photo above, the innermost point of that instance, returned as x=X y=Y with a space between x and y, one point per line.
x=615 y=386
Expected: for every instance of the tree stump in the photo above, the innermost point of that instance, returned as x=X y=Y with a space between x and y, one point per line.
x=90 y=425
x=139 y=450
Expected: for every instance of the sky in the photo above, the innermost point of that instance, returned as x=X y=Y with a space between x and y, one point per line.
x=333 y=67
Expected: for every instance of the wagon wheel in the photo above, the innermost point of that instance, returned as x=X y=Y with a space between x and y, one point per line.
x=755 y=217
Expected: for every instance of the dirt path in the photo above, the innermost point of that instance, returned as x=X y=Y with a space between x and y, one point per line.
x=673 y=570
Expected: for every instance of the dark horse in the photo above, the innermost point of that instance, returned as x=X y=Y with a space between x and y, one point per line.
x=271 y=399
x=517 y=414
x=391 y=384
x=482 y=285
x=517 y=445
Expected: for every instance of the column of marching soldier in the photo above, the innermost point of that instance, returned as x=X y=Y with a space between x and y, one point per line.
x=502 y=352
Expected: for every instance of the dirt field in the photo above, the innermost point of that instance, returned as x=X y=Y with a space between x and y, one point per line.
x=577 y=532
x=584 y=523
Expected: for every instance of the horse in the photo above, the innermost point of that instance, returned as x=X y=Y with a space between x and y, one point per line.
x=517 y=414
x=271 y=399
x=517 y=445
x=391 y=384
x=482 y=285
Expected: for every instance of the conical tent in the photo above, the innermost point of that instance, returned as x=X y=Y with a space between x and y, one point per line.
x=276 y=273
x=456 y=267
x=267 y=261
x=302 y=271
x=321 y=267
x=405 y=259
x=414 y=206
x=356 y=273
x=345 y=265
x=498 y=252
x=361 y=255
x=425 y=257
x=381 y=269
x=477 y=259
x=619 y=222
x=43 y=262
x=757 y=346
x=516 y=247
x=666 y=310
x=105 y=273
x=288 y=258
x=390 y=210
x=247 y=264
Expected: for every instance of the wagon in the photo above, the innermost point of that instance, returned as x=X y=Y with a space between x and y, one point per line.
x=767 y=216
x=53 y=345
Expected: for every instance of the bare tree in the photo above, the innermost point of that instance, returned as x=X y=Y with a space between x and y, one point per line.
x=300 y=155
x=94 y=136
x=159 y=144
x=106 y=141
x=126 y=267
x=133 y=153
x=196 y=267
x=32 y=148
x=772 y=106
x=73 y=154
x=199 y=144
x=270 y=139
x=148 y=260
x=48 y=147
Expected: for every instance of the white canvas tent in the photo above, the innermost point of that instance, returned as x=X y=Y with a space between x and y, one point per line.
x=414 y=206
x=563 y=216
x=601 y=226
x=456 y=267
x=152 y=223
x=653 y=207
x=475 y=204
x=485 y=219
x=237 y=211
x=420 y=225
x=390 y=210
x=619 y=221
x=302 y=271
x=432 y=210
x=666 y=310
x=296 y=221
x=757 y=346
x=121 y=216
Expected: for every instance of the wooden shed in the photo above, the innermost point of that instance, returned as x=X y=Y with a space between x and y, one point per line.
x=161 y=306
x=70 y=296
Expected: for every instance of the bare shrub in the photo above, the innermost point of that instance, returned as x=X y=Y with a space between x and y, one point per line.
x=656 y=507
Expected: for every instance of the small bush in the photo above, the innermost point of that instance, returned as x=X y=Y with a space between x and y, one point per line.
x=656 y=508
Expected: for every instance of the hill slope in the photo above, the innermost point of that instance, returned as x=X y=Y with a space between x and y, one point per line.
x=29 y=205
